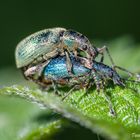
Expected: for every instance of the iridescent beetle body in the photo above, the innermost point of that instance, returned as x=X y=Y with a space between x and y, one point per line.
x=36 y=51
x=56 y=71
x=40 y=44
x=65 y=57
x=48 y=43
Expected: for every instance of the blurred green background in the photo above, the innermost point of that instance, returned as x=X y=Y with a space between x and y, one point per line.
x=107 y=21
x=95 y=18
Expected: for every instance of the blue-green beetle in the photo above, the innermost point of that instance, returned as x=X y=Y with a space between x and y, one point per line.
x=40 y=44
x=35 y=51
x=39 y=47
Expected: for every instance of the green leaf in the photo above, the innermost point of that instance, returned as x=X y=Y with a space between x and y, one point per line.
x=43 y=132
x=91 y=110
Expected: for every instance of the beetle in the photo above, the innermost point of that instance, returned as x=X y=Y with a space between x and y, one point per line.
x=35 y=51
x=48 y=43
x=56 y=72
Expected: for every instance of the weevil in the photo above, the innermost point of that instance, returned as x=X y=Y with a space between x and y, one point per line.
x=56 y=72
x=35 y=51
x=48 y=43
x=41 y=46
x=62 y=56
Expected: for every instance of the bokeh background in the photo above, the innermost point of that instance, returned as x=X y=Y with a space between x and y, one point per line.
x=95 y=18
x=112 y=22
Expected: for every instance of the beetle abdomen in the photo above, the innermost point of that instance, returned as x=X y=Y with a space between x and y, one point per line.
x=57 y=69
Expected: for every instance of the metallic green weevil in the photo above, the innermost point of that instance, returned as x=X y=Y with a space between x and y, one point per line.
x=37 y=49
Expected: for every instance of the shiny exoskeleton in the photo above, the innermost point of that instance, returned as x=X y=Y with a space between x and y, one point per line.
x=36 y=50
x=56 y=72
x=46 y=44
x=58 y=56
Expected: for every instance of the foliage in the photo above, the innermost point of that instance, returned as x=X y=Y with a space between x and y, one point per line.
x=86 y=114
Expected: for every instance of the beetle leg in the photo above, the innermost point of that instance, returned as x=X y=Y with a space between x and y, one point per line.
x=68 y=61
x=107 y=98
x=85 y=62
x=35 y=69
x=70 y=91
x=55 y=88
x=125 y=70
x=68 y=64
x=31 y=71
x=98 y=81
x=75 y=47
x=75 y=53
x=102 y=50
x=100 y=85
x=88 y=86
x=88 y=59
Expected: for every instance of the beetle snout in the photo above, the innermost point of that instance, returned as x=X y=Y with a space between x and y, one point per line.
x=119 y=82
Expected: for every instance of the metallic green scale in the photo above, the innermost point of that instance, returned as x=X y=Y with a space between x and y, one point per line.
x=57 y=69
x=37 y=44
x=49 y=43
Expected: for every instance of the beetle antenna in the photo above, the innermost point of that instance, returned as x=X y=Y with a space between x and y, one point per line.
x=132 y=80
x=133 y=89
x=136 y=75
x=135 y=81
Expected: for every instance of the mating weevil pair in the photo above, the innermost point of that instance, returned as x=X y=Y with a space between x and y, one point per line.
x=46 y=44
x=60 y=56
